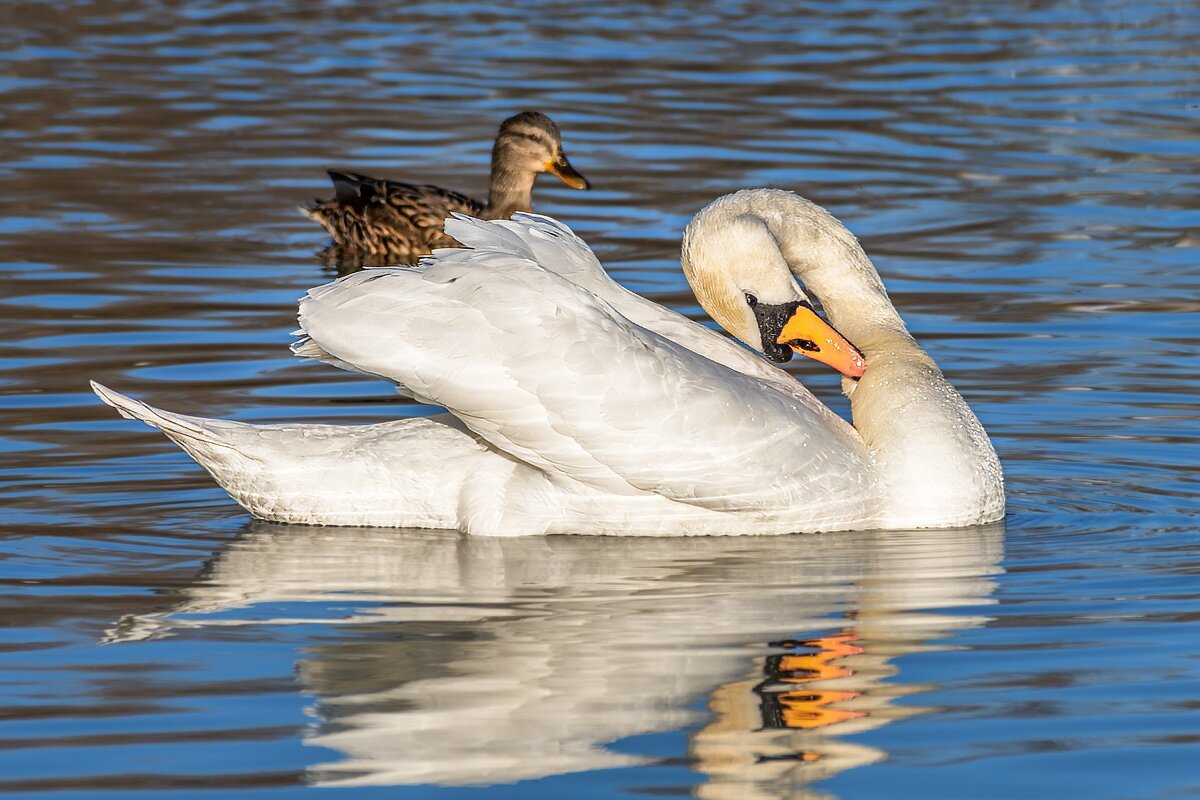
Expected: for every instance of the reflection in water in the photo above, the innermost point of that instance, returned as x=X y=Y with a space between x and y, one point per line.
x=341 y=261
x=478 y=661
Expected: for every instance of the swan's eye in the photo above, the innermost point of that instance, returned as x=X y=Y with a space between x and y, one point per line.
x=751 y=300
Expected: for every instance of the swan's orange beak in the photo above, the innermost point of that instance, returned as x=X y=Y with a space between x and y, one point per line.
x=808 y=334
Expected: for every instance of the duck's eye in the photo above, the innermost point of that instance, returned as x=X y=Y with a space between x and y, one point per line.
x=751 y=300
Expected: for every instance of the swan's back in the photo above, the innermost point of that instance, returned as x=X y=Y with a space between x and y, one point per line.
x=555 y=376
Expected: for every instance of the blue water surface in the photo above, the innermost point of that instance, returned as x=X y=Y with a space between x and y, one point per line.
x=1023 y=174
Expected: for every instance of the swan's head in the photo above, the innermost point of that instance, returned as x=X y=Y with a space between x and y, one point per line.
x=738 y=273
x=529 y=143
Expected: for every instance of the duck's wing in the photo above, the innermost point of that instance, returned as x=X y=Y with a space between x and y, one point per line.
x=557 y=378
x=389 y=217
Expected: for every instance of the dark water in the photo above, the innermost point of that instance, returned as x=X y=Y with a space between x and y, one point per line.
x=1024 y=175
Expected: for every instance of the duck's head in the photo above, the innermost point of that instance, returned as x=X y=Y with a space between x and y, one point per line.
x=738 y=273
x=529 y=143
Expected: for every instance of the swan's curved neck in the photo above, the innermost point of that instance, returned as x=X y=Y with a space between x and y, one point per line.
x=933 y=459
x=828 y=260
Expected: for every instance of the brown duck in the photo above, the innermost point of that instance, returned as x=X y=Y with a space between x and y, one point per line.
x=403 y=221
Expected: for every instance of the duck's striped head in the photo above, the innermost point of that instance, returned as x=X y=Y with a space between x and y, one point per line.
x=529 y=143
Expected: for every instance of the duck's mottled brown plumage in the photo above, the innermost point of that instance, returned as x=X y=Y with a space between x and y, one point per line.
x=403 y=221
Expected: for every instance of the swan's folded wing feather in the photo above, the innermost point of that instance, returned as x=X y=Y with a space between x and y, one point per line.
x=555 y=247
x=554 y=376
x=540 y=239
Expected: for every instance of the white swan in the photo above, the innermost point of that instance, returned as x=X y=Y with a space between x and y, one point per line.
x=577 y=406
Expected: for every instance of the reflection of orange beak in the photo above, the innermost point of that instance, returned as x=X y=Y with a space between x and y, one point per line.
x=808 y=710
x=808 y=334
x=819 y=666
x=562 y=168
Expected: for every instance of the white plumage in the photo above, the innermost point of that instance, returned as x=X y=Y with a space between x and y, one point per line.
x=577 y=406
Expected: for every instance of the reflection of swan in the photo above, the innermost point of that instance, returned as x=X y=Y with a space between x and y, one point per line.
x=481 y=660
x=580 y=407
x=402 y=221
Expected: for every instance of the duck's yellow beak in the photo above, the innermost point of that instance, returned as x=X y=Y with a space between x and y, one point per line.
x=808 y=334
x=562 y=168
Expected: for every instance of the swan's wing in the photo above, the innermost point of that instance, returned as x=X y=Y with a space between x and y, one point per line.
x=557 y=378
x=555 y=247
x=537 y=238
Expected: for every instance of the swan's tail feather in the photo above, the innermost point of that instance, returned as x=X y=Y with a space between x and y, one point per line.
x=403 y=473
x=175 y=426
x=232 y=452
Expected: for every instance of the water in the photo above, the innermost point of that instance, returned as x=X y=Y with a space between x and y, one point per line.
x=1024 y=175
